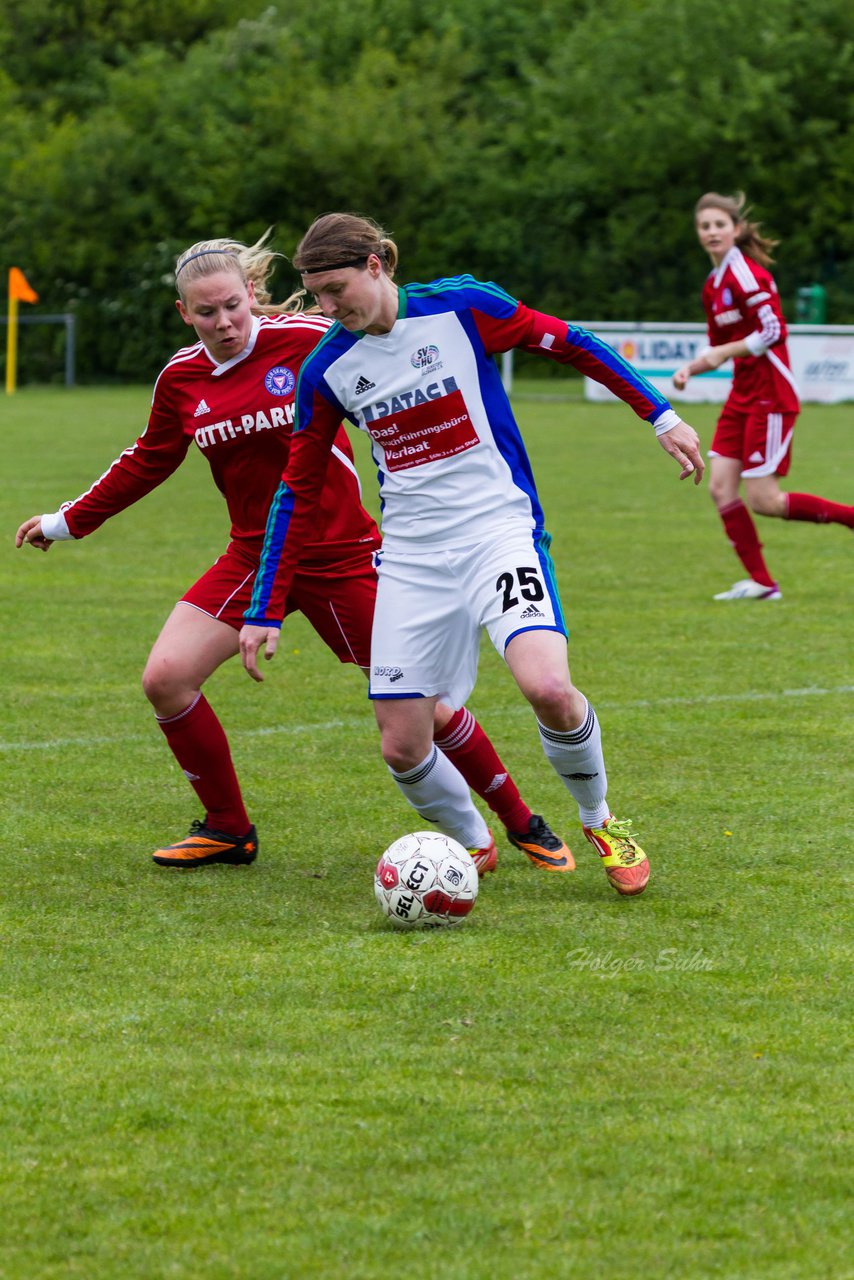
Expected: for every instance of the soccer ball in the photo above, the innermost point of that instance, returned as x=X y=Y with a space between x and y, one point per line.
x=425 y=879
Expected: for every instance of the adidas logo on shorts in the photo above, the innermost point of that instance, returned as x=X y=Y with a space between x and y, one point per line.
x=532 y=612
x=364 y=384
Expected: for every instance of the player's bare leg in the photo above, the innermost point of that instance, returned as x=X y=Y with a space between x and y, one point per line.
x=191 y=646
x=766 y=498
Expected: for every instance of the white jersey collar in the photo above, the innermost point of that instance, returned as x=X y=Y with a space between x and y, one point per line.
x=731 y=256
x=247 y=351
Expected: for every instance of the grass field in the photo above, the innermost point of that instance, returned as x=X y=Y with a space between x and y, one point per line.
x=246 y=1073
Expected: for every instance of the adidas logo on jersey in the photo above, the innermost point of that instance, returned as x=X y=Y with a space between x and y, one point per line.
x=364 y=384
x=532 y=612
x=201 y=408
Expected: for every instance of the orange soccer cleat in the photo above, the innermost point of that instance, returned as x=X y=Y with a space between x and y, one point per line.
x=543 y=848
x=204 y=846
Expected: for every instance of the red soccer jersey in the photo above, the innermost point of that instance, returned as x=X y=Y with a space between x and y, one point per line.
x=740 y=298
x=240 y=415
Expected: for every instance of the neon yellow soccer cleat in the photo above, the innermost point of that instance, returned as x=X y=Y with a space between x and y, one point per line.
x=626 y=865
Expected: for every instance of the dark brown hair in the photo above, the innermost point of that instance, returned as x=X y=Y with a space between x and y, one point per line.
x=339 y=239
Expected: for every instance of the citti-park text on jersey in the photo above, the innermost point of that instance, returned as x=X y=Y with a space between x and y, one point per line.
x=230 y=429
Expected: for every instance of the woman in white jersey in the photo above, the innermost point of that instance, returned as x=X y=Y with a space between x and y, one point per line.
x=464 y=544
x=231 y=393
x=752 y=444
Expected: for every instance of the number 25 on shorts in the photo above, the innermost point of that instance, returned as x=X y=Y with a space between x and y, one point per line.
x=529 y=586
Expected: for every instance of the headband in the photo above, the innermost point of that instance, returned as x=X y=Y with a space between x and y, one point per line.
x=335 y=266
x=206 y=253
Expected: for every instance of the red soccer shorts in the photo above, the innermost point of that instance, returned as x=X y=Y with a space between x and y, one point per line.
x=337 y=597
x=760 y=440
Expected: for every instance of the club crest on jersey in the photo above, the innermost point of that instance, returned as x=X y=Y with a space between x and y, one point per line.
x=280 y=381
x=424 y=357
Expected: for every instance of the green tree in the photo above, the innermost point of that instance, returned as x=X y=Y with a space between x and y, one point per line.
x=667 y=101
x=59 y=52
x=556 y=146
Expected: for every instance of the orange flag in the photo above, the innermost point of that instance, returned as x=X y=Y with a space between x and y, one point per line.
x=19 y=286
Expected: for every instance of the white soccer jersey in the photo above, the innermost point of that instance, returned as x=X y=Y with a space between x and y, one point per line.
x=446 y=474
x=452 y=465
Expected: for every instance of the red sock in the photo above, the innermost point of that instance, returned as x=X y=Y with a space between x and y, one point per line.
x=467 y=747
x=201 y=748
x=805 y=506
x=742 y=534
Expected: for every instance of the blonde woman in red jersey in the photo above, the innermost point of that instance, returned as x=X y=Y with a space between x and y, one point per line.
x=753 y=439
x=232 y=392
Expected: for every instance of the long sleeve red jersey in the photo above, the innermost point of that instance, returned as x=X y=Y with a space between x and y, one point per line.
x=240 y=415
x=741 y=301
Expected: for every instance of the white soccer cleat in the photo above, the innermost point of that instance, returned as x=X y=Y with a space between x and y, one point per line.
x=748 y=589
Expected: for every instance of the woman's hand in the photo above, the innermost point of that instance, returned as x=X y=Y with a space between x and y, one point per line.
x=683 y=444
x=31 y=532
x=251 y=640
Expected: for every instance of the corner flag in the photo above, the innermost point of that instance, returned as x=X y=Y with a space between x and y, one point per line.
x=19 y=286
x=20 y=290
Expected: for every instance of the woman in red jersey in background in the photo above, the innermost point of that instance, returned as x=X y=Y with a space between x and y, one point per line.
x=753 y=438
x=233 y=393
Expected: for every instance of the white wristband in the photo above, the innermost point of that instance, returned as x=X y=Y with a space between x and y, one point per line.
x=55 y=528
x=755 y=345
x=666 y=421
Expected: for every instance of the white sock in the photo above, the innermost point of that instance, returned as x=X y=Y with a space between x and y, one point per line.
x=576 y=757
x=438 y=791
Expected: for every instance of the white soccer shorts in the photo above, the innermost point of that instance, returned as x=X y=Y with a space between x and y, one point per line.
x=432 y=606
